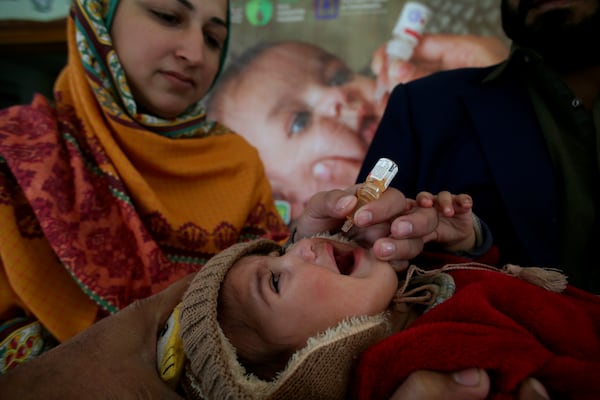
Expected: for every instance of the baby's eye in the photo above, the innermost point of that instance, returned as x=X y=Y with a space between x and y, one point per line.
x=300 y=122
x=168 y=19
x=340 y=77
x=275 y=282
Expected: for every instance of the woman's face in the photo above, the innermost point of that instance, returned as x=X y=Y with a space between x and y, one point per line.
x=310 y=117
x=170 y=50
x=316 y=284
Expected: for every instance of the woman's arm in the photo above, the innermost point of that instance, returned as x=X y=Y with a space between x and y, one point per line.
x=115 y=358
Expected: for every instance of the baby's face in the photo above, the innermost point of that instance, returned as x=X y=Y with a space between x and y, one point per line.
x=283 y=300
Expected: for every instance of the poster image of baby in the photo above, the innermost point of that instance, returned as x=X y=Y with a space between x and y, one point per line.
x=312 y=117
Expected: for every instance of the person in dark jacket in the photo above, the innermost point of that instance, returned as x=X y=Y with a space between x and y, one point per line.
x=521 y=138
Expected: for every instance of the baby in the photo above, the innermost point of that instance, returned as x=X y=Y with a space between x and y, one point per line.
x=262 y=321
x=257 y=307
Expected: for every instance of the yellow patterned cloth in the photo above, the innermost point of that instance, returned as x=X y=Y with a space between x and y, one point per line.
x=101 y=205
x=21 y=339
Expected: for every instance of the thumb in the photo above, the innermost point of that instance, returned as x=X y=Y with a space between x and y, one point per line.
x=470 y=384
x=325 y=211
x=532 y=389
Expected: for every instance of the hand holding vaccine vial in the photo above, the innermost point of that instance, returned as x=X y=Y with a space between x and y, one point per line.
x=406 y=35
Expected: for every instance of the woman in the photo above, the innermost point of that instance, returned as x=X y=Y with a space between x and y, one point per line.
x=119 y=186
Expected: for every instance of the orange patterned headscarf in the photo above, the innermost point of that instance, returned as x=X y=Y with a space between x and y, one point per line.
x=101 y=205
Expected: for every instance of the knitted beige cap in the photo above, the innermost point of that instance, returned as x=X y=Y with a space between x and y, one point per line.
x=320 y=370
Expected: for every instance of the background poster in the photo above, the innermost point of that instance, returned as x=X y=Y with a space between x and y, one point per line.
x=352 y=29
x=311 y=108
x=34 y=10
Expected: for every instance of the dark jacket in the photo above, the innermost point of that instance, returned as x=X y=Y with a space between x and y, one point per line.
x=450 y=131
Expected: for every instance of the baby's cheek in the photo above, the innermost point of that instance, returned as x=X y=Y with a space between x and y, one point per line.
x=336 y=297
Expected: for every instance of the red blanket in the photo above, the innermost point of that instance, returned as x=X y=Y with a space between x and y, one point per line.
x=507 y=326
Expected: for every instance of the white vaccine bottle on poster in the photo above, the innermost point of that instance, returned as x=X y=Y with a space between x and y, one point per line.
x=408 y=30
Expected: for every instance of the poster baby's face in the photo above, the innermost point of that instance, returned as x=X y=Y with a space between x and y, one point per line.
x=310 y=117
x=306 y=98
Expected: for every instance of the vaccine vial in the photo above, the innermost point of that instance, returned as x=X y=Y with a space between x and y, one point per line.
x=408 y=30
x=376 y=183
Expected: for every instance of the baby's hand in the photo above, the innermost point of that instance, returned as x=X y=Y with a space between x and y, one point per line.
x=455 y=230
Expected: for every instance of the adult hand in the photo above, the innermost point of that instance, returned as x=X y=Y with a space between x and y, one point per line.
x=391 y=224
x=470 y=384
x=115 y=358
x=437 y=52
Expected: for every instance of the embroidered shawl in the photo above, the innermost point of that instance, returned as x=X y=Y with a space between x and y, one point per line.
x=101 y=205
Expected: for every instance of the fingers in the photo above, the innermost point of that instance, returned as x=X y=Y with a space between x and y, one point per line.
x=390 y=71
x=532 y=389
x=438 y=52
x=378 y=60
x=408 y=234
x=398 y=251
x=425 y=199
x=471 y=384
x=395 y=226
x=445 y=202
x=462 y=203
x=332 y=203
x=446 y=51
x=410 y=228
x=433 y=49
x=325 y=211
x=417 y=222
x=391 y=203
x=399 y=71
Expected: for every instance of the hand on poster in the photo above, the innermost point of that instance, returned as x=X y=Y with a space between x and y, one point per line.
x=437 y=52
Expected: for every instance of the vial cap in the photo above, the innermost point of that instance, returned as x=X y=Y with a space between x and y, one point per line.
x=412 y=20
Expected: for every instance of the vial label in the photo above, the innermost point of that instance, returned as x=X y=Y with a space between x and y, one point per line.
x=376 y=183
x=383 y=171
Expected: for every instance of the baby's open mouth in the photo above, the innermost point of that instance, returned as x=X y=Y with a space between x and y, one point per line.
x=344 y=259
x=343 y=251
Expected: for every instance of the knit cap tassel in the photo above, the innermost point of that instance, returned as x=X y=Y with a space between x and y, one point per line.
x=547 y=278
x=431 y=287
